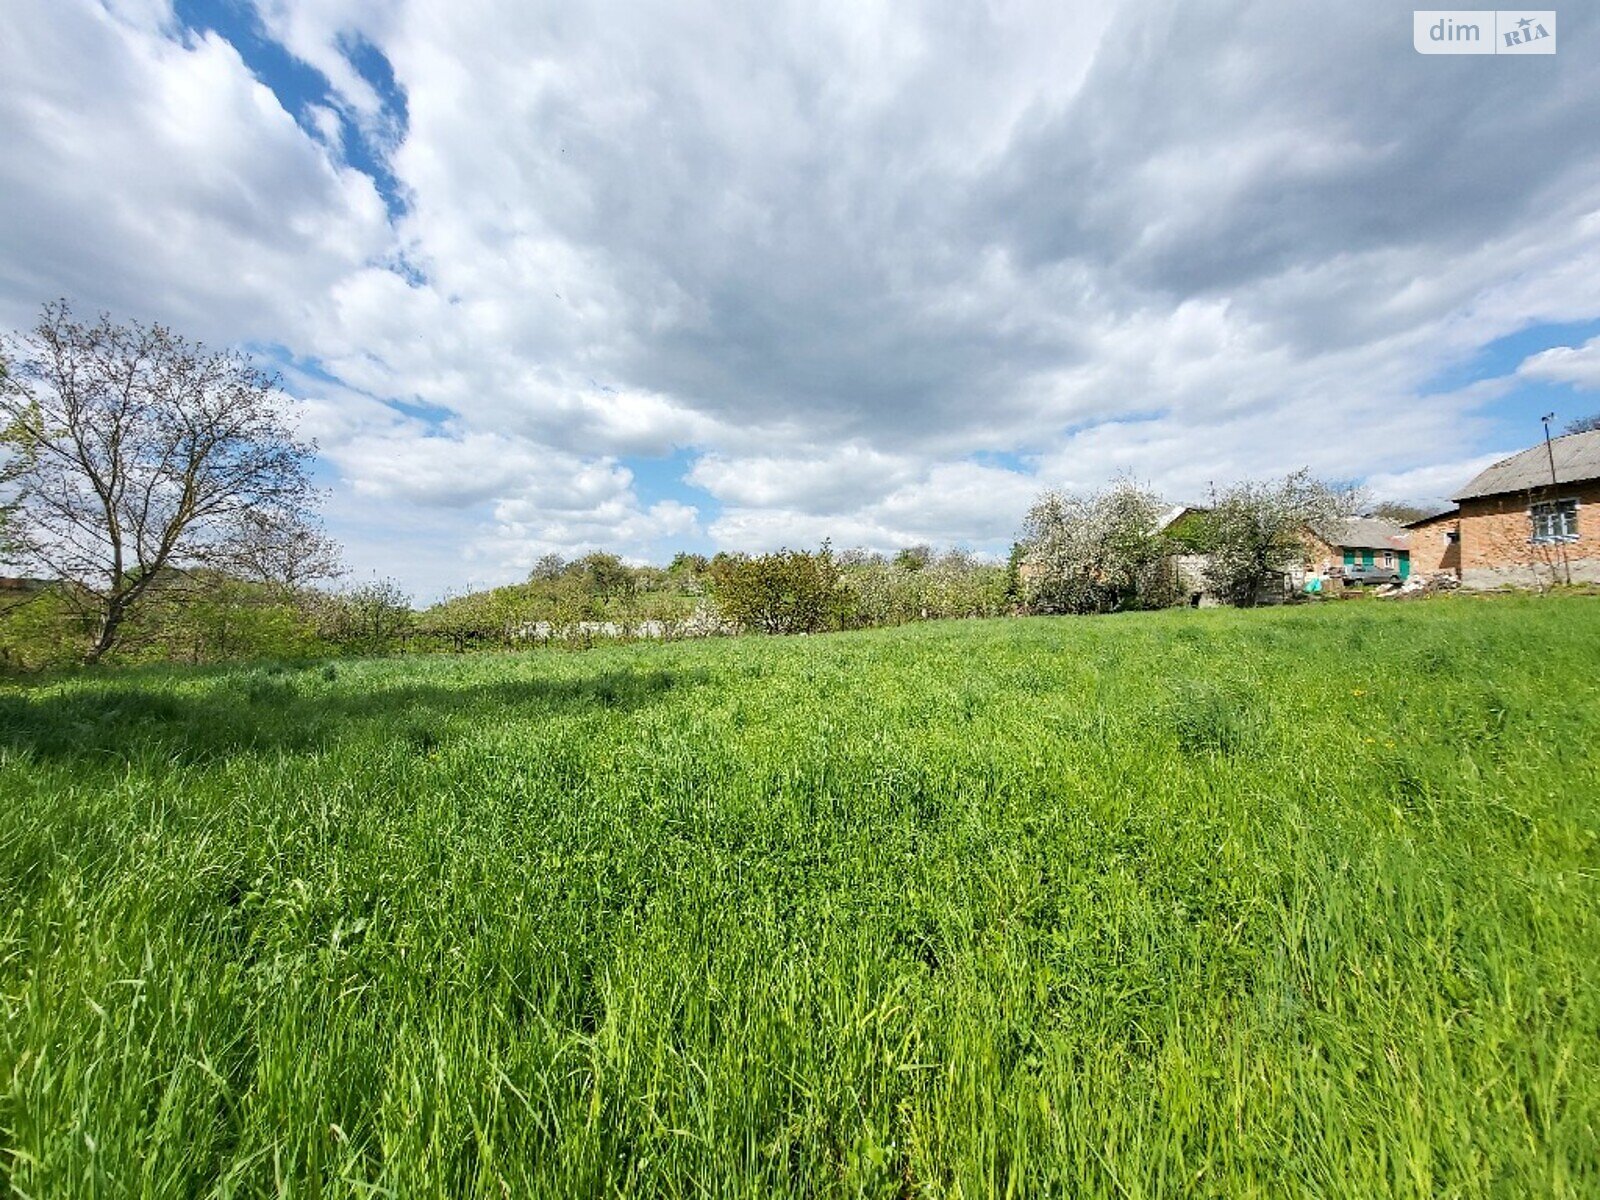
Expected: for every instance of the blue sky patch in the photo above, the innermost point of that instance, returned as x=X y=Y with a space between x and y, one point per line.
x=1513 y=419
x=299 y=86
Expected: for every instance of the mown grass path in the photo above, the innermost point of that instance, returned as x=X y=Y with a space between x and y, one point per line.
x=1301 y=902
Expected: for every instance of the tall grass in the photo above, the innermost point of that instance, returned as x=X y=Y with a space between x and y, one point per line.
x=1281 y=903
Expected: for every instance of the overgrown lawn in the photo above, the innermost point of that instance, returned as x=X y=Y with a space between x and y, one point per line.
x=1295 y=902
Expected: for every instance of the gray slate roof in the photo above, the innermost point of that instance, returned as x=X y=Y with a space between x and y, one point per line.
x=1577 y=458
x=1368 y=533
x=1452 y=511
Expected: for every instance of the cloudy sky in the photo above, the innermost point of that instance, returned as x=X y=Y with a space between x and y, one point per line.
x=659 y=275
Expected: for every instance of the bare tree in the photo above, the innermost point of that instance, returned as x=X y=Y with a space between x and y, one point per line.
x=134 y=453
x=1584 y=424
x=286 y=552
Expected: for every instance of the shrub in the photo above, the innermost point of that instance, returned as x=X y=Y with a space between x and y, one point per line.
x=375 y=618
x=791 y=591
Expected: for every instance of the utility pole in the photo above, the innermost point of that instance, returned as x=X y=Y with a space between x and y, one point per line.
x=1555 y=487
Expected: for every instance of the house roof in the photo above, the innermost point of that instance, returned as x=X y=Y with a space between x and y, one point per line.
x=1175 y=514
x=1366 y=533
x=1452 y=511
x=1577 y=457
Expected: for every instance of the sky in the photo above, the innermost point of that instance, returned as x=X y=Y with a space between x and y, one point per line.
x=649 y=276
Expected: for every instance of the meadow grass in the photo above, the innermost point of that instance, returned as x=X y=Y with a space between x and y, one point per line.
x=1285 y=903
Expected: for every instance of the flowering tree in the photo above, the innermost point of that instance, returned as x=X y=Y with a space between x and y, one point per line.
x=1256 y=531
x=1095 y=553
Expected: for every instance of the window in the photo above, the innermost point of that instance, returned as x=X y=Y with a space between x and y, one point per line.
x=1388 y=558
x=1555 y=521
x=1452 y=537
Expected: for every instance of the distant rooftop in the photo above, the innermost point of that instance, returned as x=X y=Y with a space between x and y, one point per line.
x=1177 y=513
x=1434 y=515
x=1577 y=457
x=1366 y=533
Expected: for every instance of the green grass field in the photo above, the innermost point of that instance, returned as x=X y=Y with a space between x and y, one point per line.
x=1289 y=903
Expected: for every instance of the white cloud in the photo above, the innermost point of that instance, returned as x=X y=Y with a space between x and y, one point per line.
x=834 y=252
x=822 y=483
x=949 y=504
x=1433 y=485
x=160 y=178
x=1577 y=365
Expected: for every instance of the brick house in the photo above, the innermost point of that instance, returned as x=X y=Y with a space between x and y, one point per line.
x=1436 y=543
x=1533 y=518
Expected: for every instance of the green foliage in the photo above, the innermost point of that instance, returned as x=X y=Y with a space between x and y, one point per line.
x=216 y=618
x=549 y=566
x=1164 y=905
x=595 y=598
x=954 y=585
x=608 y=576
x=39 y=630
x=209 y=617
x=688 y=566
x=373 y=618
x=1014 y=588
x=913 y=558
x=790 y=591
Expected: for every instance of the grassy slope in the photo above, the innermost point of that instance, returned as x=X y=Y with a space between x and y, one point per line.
x=1294 y=902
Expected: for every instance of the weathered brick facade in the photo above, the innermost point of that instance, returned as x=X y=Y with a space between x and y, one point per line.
x=1497 y=546
x=1435 y=545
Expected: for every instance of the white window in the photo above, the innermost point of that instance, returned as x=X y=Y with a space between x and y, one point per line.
x=1388 y=558
x=1555 y=521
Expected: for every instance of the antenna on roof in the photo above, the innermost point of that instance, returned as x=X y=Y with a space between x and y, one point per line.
x=1554 y=484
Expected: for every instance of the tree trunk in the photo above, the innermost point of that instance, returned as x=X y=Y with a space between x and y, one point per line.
x=106 y=636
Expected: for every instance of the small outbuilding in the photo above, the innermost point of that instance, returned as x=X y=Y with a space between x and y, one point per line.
x=1359 y=548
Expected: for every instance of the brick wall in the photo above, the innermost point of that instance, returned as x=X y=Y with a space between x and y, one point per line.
x=1319 y=555
x=1496 y=547
x=1432 y=550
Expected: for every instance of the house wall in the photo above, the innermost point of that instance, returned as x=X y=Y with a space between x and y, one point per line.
x=1373 y=556
x=1189 y=580
x=1432 y=550
x=1319 y=555
x=1330 y=560
x=1496 y=546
